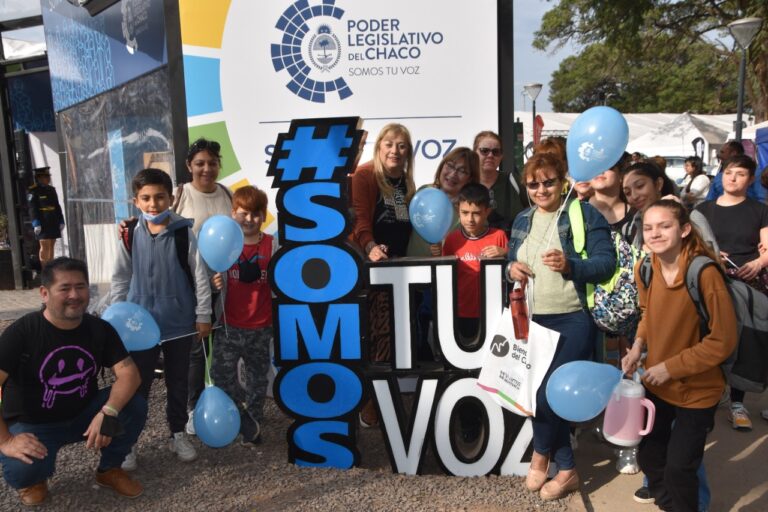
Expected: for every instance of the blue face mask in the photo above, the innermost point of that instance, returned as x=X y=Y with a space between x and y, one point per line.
x=156 y=219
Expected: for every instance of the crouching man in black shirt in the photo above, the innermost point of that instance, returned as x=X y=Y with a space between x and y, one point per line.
x=49 y=361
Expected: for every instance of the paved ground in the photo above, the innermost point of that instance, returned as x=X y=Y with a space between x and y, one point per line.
x=735 y=461
x=735 y=464
x=15 y=303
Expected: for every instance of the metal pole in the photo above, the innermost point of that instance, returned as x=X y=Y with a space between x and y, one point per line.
x=533 y=126
x=740 y=104
x=7 y=167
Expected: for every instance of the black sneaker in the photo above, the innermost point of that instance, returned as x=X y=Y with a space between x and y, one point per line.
x=252 y=443
x=254 y=439
x=643 y=495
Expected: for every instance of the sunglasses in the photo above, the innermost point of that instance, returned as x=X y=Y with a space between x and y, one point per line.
x=493 y=151
x=534 y=185
x=199 y=145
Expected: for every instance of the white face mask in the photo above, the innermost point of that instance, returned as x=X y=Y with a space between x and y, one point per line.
x=156 y=219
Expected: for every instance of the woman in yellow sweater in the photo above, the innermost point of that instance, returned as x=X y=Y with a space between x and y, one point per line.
x=682 y=376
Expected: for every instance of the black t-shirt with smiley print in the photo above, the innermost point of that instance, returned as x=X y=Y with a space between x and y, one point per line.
x=52 y=372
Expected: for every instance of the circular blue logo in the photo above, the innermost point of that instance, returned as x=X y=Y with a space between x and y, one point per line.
x=304 y=39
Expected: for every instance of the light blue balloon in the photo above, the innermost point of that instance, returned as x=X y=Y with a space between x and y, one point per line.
x=216 y=419
x=578 y=391
x=596 y=141
x=431 y=214
x=220 y=242
x=134 y=325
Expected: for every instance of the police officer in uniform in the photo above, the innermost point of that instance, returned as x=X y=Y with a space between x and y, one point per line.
x=44 y=208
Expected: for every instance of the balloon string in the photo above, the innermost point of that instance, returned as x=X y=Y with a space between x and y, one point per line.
x=208 y=354
x=557 y=217
x=223 y=315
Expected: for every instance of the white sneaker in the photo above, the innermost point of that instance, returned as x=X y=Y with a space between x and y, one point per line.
x=764 y=414
x=190 y=428
x=739 y=417
x=183 y=448
x=130 y=464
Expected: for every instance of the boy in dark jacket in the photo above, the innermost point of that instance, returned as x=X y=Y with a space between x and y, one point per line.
x=148 y=272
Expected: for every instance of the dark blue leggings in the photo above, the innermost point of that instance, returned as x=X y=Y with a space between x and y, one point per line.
x=551 y=433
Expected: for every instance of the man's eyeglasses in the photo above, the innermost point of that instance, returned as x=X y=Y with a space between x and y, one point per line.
x=493 y=151
x=534 y=185
x=451 y=167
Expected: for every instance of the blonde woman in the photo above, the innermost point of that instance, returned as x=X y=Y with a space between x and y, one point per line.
x=381 y=190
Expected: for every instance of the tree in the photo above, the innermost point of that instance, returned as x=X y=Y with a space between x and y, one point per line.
x=631 y=27
x=658 y=77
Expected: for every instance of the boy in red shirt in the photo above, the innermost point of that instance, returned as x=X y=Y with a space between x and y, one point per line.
x=473 y=240
x=247 y=316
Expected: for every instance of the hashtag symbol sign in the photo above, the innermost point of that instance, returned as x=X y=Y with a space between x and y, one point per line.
x=325 y=145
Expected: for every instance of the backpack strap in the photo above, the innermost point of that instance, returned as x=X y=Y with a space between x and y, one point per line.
x=692 y=280
x=181 y=240
x=226 y=190
x=127 y=234
x=579 y=233
x=646 y=271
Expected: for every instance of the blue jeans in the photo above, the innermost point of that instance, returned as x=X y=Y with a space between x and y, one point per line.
x=19 y=474
x=551 y=433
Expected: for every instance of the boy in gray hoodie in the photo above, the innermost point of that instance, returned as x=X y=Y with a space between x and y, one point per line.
x=150 y=271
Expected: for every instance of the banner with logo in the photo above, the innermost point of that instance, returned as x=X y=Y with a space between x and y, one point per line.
x=89 y=55
x=250 y=67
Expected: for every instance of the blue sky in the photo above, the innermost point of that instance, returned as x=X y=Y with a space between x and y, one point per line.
x=532 y=65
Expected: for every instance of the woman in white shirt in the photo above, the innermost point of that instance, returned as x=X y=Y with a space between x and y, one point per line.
x=198 y=200
x=695 y=184
x=203 y=197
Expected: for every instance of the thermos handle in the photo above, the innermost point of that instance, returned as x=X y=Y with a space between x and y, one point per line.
x=651 y=416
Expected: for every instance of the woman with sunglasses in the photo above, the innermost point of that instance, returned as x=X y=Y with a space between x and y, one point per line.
x=457 y=168
x=503 y=186
x=541 y=247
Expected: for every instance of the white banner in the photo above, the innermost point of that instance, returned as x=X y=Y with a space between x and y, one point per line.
x=429 y=64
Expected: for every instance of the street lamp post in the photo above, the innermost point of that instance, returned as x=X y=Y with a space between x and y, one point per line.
x=533 y=90
x=743 y=31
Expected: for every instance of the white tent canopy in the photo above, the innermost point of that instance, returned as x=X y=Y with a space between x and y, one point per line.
x=712 y=128
x=750 y=132
x=675 y=138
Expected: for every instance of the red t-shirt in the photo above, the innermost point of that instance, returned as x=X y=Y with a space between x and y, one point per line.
x=249 y=304
x=467 y=252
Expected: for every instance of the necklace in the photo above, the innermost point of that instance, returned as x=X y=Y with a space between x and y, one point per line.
x=396 y=200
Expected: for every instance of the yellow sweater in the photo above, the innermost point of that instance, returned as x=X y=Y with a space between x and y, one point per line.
x=670 y=328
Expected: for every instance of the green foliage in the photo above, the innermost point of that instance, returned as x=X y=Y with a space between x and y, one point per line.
x=662 y=76
x=662 y=52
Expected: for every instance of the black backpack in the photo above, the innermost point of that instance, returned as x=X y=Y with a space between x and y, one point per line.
x=747 y=367
x=180 y=238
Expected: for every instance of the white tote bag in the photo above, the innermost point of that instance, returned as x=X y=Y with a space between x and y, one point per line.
x=514 y=369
